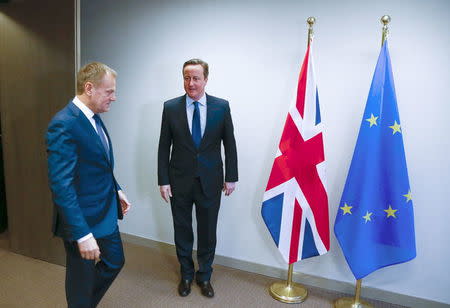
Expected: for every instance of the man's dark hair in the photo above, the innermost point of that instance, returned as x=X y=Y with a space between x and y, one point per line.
x=198 y=62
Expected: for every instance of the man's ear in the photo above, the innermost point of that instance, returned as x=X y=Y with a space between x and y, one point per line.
x=88 y=86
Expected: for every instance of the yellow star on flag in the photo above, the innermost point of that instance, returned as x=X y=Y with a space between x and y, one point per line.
x=372 y=120
x=346 y=208
x=408 y=196
x=395 y=128
x=367 y=216
x=390 y=212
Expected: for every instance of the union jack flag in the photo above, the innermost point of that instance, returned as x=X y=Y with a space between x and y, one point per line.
x=295 y=205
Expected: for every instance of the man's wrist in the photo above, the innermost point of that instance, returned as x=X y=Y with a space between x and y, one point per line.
x=85 y=238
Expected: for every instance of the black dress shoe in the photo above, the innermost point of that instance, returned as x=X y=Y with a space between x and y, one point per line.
x=184 y=287
x=206 y=288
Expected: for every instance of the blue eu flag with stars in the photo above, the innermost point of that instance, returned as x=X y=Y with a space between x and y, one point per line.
x=375 y=220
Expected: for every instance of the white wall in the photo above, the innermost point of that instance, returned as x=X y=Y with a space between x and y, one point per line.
x=255 y=49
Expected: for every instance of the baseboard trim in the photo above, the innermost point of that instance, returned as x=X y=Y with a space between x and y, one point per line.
x=310 y=280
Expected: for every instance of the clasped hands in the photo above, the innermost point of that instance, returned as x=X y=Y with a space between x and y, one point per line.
x=166 y=192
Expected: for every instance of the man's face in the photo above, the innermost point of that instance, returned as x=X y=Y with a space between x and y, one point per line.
x=103 y=94
x=194 y=81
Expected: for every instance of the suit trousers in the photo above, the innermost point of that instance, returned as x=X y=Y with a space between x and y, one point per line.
x=87 y=281
x=206 y=210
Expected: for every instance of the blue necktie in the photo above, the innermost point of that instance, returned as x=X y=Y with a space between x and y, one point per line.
x=101 y=134
x=196 y=128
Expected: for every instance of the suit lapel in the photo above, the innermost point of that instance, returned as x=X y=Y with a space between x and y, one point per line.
x=184 y=122
x=209 y=113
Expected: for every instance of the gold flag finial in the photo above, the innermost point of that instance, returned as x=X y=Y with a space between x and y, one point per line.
x=385 y=20
x=311 y=21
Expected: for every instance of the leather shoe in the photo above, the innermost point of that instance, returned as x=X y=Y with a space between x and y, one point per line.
x=184 y=287
x=206 y=288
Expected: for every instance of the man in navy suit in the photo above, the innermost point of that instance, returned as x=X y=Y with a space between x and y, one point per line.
x=190 y=170
x=86 y=196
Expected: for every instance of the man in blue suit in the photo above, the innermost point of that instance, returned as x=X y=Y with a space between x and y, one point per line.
x=87 y=198
x=190 y=170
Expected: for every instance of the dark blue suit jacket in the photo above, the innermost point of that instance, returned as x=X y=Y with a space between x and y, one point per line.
x=81 y=177
x=179 y=161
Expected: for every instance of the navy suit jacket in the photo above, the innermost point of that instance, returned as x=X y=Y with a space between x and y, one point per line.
x=81 y=177
x=179 y=161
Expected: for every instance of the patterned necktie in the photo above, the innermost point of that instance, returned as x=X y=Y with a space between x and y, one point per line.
x=101 y=134
x=196 y=128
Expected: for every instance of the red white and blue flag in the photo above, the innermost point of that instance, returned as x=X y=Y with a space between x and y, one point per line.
x=295 y=205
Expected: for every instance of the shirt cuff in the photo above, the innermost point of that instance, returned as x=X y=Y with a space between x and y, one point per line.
x=84 y=238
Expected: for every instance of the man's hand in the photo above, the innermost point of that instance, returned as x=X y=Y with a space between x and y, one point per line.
x=228 y=188
x=89 y=249
x=124 y=203
x=166 y=192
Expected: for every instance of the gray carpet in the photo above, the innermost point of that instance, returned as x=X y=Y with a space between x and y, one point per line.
x=149 y=279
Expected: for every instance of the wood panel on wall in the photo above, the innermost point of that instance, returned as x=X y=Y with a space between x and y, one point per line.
x=37 y=63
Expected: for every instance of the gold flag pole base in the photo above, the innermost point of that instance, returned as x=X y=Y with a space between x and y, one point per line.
x=349 y=302
x=288 y=291
x=353 y=302
x=292 y=294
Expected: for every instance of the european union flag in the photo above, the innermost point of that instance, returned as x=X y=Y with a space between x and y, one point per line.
x=375 y=220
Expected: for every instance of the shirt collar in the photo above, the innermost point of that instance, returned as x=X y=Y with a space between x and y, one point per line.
x=85 y=109
x=190 y=101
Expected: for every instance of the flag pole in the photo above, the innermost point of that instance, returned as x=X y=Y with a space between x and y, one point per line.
x=348 y=302
x=289 y=291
